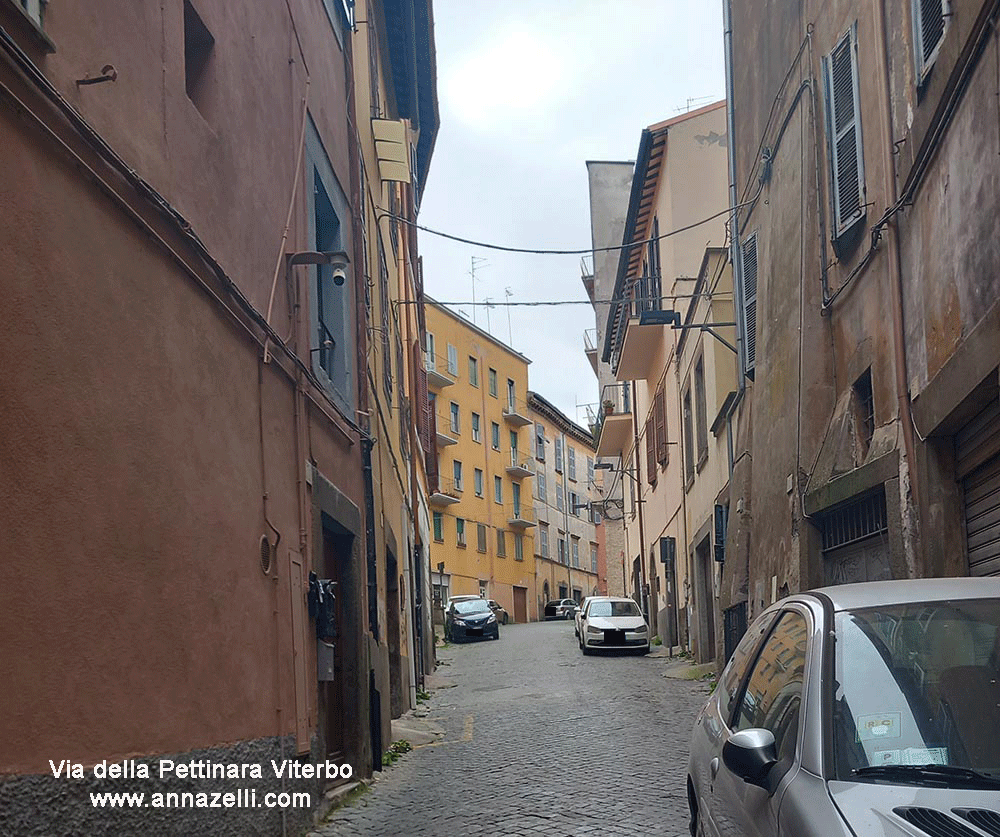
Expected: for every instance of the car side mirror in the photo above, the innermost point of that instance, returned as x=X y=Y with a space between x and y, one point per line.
x=750 y=754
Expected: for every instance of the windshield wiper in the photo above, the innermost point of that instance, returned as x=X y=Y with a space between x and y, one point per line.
x=947 y=774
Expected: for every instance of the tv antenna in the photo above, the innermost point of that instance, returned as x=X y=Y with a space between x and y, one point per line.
x=476 y=262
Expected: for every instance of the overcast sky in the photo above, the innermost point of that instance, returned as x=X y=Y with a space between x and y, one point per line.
x=528 y=93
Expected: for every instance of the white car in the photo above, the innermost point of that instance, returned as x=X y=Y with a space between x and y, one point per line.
x=613 y=622
x=578 y=616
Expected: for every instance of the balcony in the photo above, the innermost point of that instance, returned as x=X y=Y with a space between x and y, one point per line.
x=590 y=347
x=520 y=466
x=438 y=376
x=445 y=494
x=640 y=348
x=520 y=516
x=516 y=414
x=445 y=434
x=615 y=434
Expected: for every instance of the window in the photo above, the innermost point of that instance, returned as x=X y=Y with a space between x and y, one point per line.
x=477 y=481
x=543 y=541
x=575 y=546
x=660 y=422
x=864 y=409
x=481 y=537
x=574 y=503
x=460 y=531
x=559 y=454
x=571 y=462
x=333 y=335
x=649 y=434
x=515 y=491
x=590 y=470
x=653 y=267
x=198 y=65
x=498 y=490
x=429 y=348
x=501 y=544
x=540 y=442
x=511 y=396
x=700 y=410
x=386 y=330
x=373 y=74
x=495 y=435
x=492 y=376
x=561 y=544
x=930 y=20
x=540 y=487
x=452 y=360
x=457 y=470
x=844 y=135
x=748 y=311
x=773 y=694
x=688 y=438
x=518 y=546
x=560 y=502
x=438 y=527
x=455 y=418
x=513 y=446
x=473 y=371
x=483 y=588
x=593 y=557
x=34 y=8
x=476 y=435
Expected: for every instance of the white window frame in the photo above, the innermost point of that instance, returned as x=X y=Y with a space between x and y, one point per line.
x=452 y=361
x=476 y=427
x=477 y=481
x=923 y=65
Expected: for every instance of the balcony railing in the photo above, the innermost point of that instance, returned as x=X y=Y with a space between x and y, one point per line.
x=521 y=465
x=446 y=434
x=438 y=375
x=520 y=516
x=446 y=493
x=515 y=412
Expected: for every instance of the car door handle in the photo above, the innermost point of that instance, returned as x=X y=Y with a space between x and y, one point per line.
x=713 y=767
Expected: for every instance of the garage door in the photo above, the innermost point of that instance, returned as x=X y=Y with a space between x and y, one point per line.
x=977 y=449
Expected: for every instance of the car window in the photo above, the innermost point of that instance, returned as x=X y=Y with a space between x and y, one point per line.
x=605 y=609
x=472 y=606
x=732 y=674
x=773 y=694
x=918 y=683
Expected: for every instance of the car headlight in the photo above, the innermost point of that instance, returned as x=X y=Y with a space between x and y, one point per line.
x=639 y=630
x=491 y=619
x=458 y=621
x=592 y=630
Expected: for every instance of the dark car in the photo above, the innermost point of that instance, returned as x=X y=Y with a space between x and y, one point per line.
x=560 y=609
x=498 y=611
x=470 y=619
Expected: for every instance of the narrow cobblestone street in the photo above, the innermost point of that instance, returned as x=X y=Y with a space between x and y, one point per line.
x=540 y=740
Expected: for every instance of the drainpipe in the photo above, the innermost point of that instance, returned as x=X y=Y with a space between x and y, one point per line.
x=644 y=594
x=908 y=472
x=734 y=231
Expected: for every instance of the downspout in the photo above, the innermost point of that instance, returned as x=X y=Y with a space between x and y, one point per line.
x=734 y=225
x=909 y=508
x=644 y=594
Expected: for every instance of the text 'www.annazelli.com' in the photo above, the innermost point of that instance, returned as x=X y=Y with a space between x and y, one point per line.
x=241 y=798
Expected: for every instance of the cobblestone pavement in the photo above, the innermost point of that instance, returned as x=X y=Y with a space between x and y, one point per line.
x=540 y=740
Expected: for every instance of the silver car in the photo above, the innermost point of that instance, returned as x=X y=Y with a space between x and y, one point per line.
x=612 y=622
x=862 y=709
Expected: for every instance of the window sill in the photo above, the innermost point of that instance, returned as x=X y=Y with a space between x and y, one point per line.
x=438 y=540
x=24 y=24
x=702 y=459
x=461 y=546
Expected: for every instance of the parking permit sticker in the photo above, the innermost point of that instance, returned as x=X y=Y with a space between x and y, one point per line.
x=878 y=727
x=885 y=757
x=925 y=755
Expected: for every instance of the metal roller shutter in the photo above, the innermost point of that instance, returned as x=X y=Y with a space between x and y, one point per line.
x=977 y=448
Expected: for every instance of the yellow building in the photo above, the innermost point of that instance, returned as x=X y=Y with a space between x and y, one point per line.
x=482 y=510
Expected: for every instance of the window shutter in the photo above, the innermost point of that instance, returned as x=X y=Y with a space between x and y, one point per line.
x=660 y=414
x=748 y=320
x=650 y=433
x=929 y=22
x=844 y=121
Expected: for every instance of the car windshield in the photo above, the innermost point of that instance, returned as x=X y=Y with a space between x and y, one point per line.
x=613 y=609
x=472 y=606
x=918 y=684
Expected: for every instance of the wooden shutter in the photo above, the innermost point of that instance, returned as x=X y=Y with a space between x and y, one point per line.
x=929 y=21
x=660 y=414
x=844 y=134
x=748 y=318
x=650 y=434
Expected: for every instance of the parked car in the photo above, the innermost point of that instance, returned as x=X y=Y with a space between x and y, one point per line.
x=861 y=709
x=560 y=609
x=578 y=613
x=465 y=597
x=498 y=611
x=470 y=619
x=612 y=622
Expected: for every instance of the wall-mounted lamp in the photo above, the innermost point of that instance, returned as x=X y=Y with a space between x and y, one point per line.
x=673 y=319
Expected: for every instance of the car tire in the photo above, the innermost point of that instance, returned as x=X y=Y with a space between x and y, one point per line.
x=505 y=618
x=586 y=651
x=643 y=651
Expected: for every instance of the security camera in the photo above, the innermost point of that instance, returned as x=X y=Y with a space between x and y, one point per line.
x=339 y=274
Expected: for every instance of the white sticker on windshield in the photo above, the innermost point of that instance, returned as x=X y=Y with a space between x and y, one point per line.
x=925 y=755
x=878 y=727
x=884 y=757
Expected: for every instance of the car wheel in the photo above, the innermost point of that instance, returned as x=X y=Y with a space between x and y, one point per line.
x=505 y=618
x=644 y=651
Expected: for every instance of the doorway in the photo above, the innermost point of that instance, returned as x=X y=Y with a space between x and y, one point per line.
x=336 y=552
x=520 y=605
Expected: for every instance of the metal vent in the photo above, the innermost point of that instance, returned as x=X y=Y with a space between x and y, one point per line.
x=935 y=823
x=988 y=821
x=854 y=521
x=931 y=27
x=265 y=554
